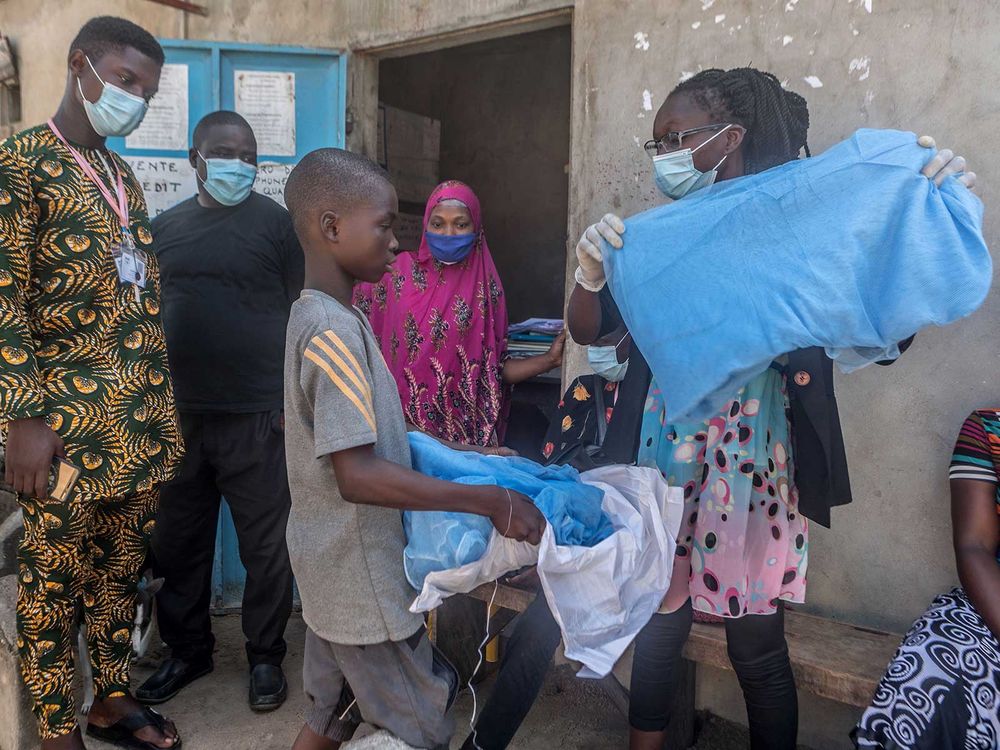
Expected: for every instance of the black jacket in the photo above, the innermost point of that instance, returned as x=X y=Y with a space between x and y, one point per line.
x=821 y=474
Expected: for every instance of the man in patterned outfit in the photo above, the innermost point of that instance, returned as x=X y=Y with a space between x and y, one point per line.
x=83 y=374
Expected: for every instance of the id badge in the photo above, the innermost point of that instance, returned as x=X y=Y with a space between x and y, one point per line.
x=126 y=265
x=141 y=264
x=130 y=261
x=133 y=267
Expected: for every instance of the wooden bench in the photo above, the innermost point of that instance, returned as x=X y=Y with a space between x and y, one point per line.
x=830 y=659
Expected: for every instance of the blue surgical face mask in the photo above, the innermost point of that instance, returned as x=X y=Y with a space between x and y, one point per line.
x=229 y=181
x=116 y=112
x=604 y=362
x=450 y=248
x=677 y=176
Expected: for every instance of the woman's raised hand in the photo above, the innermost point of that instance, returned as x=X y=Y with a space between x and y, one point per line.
x=944 y=164
x=590 y=274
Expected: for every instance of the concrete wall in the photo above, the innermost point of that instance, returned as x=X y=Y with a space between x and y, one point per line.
x=924 y=65
x=504 y=107
x=910 y=64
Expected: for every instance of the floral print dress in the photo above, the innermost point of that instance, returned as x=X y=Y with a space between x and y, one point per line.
x=742 y=539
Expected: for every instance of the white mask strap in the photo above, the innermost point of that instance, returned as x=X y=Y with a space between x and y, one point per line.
x=724 y=129
x=98 y=75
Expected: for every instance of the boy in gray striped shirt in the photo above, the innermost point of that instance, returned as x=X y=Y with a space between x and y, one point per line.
x=350 y=476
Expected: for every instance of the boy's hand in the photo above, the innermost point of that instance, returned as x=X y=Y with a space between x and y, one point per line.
x=518 y=518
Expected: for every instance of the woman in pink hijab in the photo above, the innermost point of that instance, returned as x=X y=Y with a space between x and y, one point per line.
x=441 y=321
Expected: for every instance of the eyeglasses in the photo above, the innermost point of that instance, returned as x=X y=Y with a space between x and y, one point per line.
x=675 y=139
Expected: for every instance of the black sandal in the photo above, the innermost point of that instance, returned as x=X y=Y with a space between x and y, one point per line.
x=122 y=732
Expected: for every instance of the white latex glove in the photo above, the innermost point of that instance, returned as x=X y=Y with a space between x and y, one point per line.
x=944 y=164
x=590 y=273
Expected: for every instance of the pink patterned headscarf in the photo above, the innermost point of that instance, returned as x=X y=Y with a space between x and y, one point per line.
x=443 y=332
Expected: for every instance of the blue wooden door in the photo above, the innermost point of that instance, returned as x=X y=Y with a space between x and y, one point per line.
x=295 y=100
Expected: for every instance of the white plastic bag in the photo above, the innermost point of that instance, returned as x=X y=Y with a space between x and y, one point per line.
x=502 y=556
x=600 y=596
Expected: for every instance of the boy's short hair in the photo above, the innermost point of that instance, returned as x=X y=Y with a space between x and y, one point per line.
x=106 y=33
x=331 y=179
x=222 y=117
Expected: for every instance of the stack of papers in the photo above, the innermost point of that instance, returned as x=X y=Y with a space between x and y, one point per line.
x=533 y=336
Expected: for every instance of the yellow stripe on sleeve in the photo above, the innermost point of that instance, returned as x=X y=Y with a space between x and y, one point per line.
x=355 y=376
x=347 y=353
x=344 y=388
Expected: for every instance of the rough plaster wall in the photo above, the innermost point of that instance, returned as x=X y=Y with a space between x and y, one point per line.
x=504 y=107
x=357 y=24
x=42 y=31
x=924 y=62
x=44 y=28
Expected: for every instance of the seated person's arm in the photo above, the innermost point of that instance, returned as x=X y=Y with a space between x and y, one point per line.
x=365 y=479
x=975 y=531
x=486 y=450
x=518 y=370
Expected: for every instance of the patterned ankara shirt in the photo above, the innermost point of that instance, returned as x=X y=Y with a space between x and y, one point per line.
x=75 y=344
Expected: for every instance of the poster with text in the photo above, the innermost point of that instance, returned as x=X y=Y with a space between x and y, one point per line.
x=266 y=99
x=165 y=126
x=165 y=181
x=271 y=179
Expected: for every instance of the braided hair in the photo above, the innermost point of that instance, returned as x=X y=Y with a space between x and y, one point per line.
x=776 y=120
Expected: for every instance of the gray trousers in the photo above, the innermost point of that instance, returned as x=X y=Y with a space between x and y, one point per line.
x=399 y=686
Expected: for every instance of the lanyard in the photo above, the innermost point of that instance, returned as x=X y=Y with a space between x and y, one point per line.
x=119 y=202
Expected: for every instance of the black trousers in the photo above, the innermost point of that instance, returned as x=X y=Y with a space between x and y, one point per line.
x=525 y=662
x=241 y=457
x=758 y=653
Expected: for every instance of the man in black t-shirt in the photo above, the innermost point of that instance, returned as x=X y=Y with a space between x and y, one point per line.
x=230 y=268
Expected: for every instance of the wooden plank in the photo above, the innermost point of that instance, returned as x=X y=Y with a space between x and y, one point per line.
x=507 y=597
x=837 y=660
x=830 y=659
x=615 y=692
x=707 y=645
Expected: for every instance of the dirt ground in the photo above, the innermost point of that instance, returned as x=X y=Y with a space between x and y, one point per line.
x=212 y=713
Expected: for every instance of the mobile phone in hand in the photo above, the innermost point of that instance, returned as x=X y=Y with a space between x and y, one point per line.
x=62 y=477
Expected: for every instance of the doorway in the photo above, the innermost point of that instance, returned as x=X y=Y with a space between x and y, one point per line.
x=494 y=114
x=502 y=108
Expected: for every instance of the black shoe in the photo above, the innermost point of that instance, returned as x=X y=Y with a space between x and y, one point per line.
x=268 y=687
x=172 y=676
